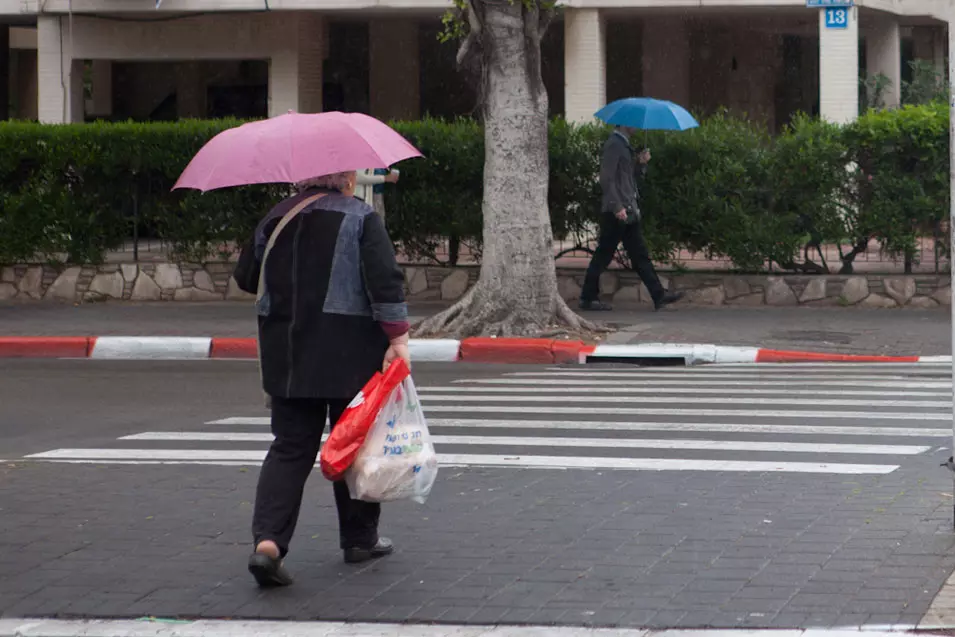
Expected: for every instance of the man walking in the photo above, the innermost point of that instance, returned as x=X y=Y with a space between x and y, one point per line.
x=620 y=221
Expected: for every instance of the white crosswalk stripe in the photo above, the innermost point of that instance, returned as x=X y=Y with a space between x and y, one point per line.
x=816 y=419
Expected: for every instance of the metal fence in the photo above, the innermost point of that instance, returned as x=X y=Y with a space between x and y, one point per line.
x=930 y=256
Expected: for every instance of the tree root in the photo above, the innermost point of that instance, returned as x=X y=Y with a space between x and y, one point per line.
x=478 y=314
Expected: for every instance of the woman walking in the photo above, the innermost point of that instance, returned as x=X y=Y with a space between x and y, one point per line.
x=331 y=313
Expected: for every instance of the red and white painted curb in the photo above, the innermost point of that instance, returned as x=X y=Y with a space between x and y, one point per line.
x=473 y=350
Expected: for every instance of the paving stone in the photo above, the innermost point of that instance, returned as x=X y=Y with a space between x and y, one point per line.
x=404 y=613
x=815 y=586
x=810 y=601
x=707 y=296
x=638 y=618
x=839 y=564
x=666 y=619
x=168 y=276
x=822 y=620
x=547 y=616
x=754 y=605
x=779 y=293
x=64 y=287
x=736 y=287
x=901 y=289
x=31 y=284
x=815 y=290
x=923 y=302
x=877 y=301
x=856 y=289
x=458 y=615
x=107 y=286
x=202 y=281
x=943 y=296
x=790 y=620
x=698 y=619
x=715 y=585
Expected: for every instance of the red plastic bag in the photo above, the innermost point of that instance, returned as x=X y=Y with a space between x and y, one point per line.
x=348 y=435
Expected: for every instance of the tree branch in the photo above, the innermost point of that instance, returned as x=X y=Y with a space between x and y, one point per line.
x=547 y=15
x=475 y=33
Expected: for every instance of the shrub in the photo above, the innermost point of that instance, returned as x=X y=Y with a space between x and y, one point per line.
x=71 y=193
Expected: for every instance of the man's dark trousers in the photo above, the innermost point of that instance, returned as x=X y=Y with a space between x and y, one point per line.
x=612 y=233
x=298 y=424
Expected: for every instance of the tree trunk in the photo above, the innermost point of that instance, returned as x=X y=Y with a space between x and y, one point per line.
x=516 y=293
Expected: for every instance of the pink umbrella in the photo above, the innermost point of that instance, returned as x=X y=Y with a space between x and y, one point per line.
x=294 y=147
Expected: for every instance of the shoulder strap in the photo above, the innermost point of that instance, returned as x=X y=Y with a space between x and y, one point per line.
x=284 y=221
x=291 y=214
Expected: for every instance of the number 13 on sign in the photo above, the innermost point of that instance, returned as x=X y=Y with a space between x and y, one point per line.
x=837 y=18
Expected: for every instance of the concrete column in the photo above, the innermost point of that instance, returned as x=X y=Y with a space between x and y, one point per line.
x=295 y=72
x=59 y=79
x=666 y=59
x=395 y=69
x=4 y=72
x=839 y=69
x=883 y=51
x=585 y=62
x=102 y=88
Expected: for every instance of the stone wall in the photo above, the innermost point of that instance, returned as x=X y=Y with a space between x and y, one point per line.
x=213 y=282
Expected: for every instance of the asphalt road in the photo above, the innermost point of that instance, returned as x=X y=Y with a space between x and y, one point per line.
x=707 y=497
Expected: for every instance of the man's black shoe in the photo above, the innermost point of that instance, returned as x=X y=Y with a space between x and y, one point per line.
x=666 y=299
x=382 y=547
x=595 y=306
x=269 y=571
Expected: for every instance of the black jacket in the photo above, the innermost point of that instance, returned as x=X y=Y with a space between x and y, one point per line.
x=618 y=181
x=332 y=288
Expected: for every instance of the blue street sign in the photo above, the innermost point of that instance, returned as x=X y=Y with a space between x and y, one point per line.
x=823 y=4
x=837 y=18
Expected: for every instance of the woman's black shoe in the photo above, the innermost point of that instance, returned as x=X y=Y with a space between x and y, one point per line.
x=269 y=571
x=356 y=555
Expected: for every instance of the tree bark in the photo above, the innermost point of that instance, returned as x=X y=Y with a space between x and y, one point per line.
x=516 y=293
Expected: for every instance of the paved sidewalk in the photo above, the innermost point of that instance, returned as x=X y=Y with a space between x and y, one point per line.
x=844 y=330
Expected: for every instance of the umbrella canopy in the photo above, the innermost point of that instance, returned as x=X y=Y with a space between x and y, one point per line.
x=646 y=113
x=294 y=147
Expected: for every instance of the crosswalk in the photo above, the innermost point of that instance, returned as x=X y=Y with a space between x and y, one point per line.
x=806 y=418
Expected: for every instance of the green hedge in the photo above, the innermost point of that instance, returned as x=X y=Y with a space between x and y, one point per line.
x=71 y=193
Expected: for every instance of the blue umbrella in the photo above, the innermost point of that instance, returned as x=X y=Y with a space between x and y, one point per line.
x=646 y=113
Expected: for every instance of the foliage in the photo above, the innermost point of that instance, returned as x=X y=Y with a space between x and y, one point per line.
x=438 y=196
x=929 y=84
x=901 y=184
x=71 y=193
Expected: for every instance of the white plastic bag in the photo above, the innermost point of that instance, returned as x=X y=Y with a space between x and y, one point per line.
x=397 y=460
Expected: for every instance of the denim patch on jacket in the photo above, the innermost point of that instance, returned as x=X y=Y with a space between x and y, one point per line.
x=346 y=287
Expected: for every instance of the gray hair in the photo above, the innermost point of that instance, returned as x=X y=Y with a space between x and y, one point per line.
x=335 y=181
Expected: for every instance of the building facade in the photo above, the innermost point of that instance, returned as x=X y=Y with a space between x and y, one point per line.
x=81 y=60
